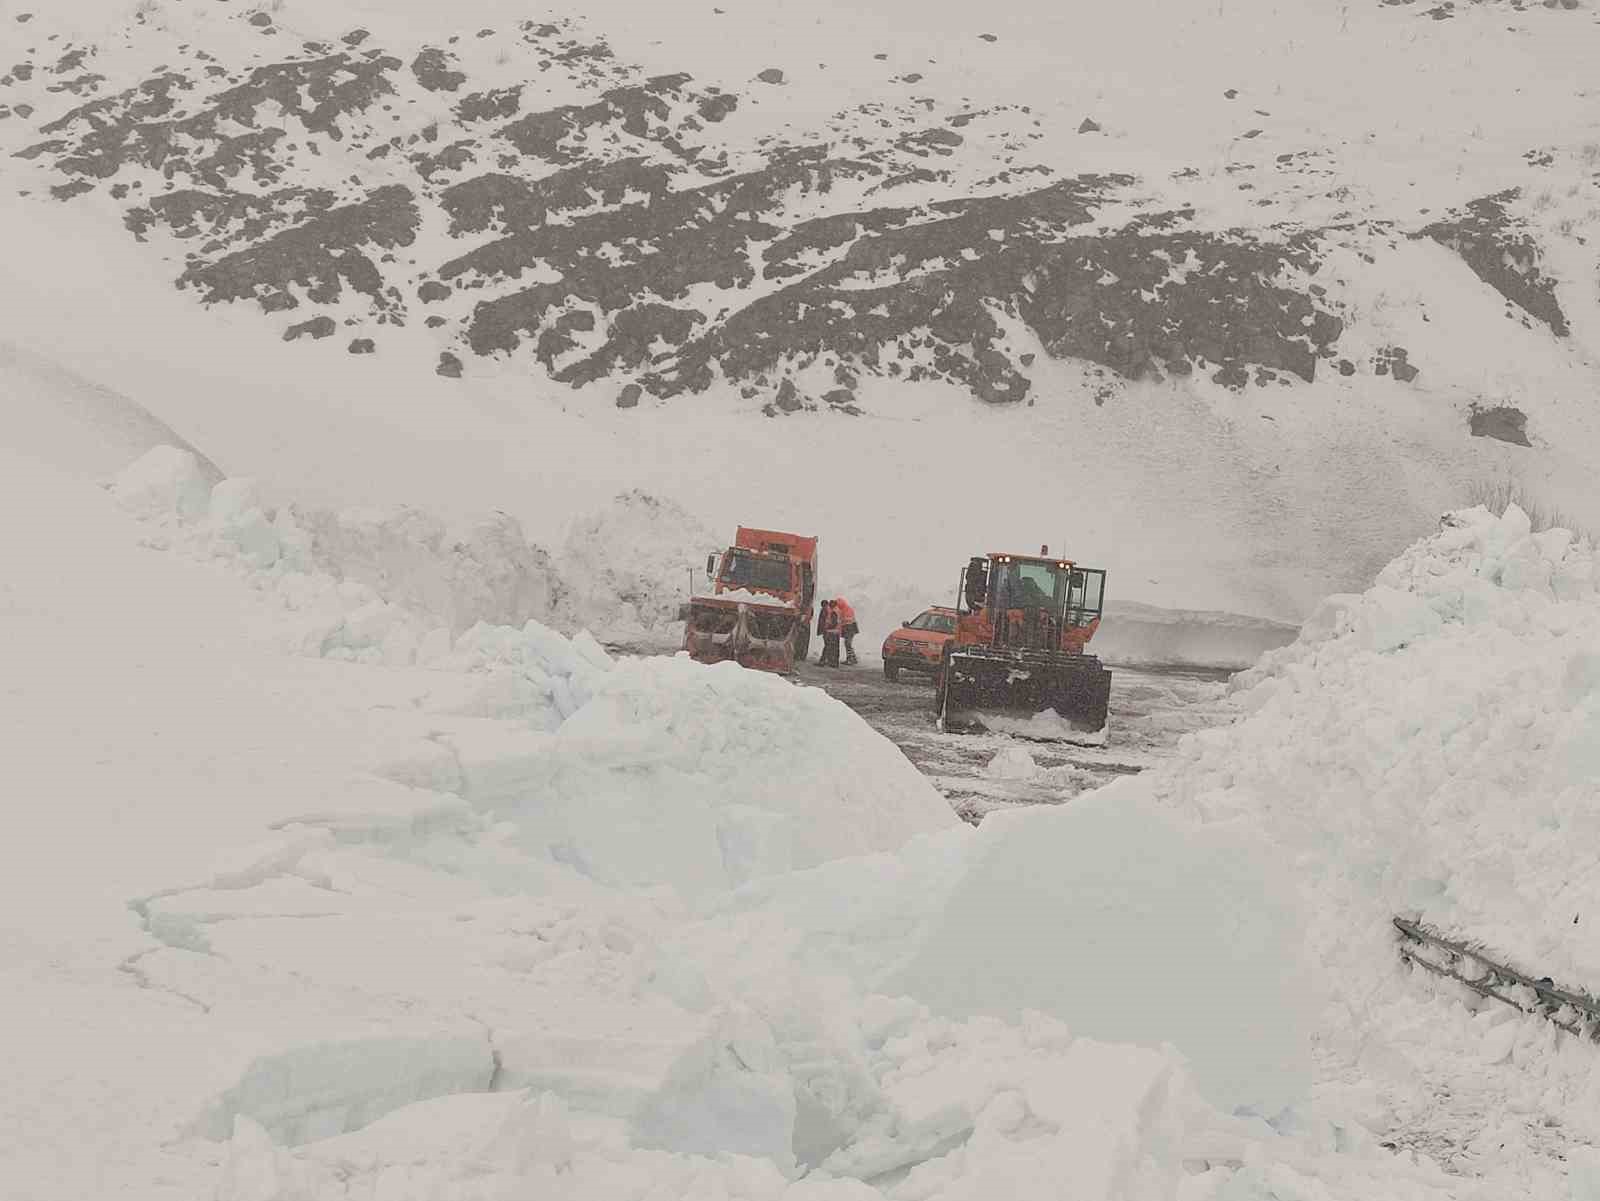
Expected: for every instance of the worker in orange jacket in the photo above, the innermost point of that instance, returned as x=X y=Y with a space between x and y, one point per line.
x=848 y=629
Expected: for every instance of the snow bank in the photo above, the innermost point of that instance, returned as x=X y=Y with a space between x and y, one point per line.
x=1429 y=746
x=1131 y=928
x=626 y=568
x=320 y=1089
x=57 y=417
x=1133 y=634
x=702 y=778
x=964 y=1110
x=393 y=586
x=162 y=482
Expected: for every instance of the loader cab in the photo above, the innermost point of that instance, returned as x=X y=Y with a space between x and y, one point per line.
x=1031 y=600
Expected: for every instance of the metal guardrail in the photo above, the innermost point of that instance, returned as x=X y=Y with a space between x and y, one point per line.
x=1577 y=1013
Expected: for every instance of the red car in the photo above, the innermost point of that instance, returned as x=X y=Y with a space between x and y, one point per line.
x=919 y=643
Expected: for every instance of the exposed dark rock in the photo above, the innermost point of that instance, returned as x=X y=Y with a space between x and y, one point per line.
x=788 y=398
x=449 y=366
x=315 y=256
x=433 y=69
x=361 y=346
x=433 y=290
x=640 y=109
x=318 y=328
x=1089 y=125
x=260 y=19
x=770 y=75
x=232 y=216
x=434 y=322
x=488 y=106
x=355 y=37
x=1501 y=253
x=452 y=158
x=629 y=396
x=476 y=205
x=1502 y=422
x=717 y=106
x=1391 y=360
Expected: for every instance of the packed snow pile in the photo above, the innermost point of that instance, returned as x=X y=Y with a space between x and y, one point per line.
x=626 y=568
x=1012 y=763
x=1131 y=633
x=702 y=778
x=968 y=1110
x=1430 y=746
x=1110 y=890
x=62 y=419
x=506 y=917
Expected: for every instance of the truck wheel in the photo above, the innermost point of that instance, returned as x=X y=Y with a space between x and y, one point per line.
x=890 y=671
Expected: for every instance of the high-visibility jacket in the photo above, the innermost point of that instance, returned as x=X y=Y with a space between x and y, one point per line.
x=847 y=615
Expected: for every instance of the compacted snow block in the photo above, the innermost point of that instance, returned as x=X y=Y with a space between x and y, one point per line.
x=322 y=1089
x=702 y=778
x=163 y=482
x=1130 y=927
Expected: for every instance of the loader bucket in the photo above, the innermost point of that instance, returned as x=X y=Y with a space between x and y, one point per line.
x=1042 y=695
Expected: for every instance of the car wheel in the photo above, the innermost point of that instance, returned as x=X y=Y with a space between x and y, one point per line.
x=890 y=671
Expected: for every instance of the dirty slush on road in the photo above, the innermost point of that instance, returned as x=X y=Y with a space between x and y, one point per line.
x=1151 y=708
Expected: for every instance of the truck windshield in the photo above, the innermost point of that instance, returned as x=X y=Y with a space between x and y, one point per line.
x=740 y=570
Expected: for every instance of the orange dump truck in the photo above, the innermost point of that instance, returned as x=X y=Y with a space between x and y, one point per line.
x=760 y=611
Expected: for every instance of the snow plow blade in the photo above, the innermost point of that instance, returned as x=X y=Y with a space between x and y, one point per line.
x=756 y=636
x=1044 y=695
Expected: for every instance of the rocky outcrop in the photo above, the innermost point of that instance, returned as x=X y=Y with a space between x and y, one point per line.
x=1501 y=253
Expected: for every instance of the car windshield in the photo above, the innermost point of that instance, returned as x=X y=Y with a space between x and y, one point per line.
x=741 y=570
x=942 y=623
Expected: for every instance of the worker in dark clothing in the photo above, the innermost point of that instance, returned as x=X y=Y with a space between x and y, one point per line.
x=828 y=626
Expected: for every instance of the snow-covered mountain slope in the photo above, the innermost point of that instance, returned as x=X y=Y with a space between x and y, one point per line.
x=1035 y=275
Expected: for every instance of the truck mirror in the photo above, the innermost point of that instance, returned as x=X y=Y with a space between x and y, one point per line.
x=711 y=566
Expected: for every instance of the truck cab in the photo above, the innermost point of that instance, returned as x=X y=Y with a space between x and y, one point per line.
x=760 y=609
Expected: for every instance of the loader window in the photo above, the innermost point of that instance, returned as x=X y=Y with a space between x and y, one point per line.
x=1084 y=595
x=1028 y=586
x=752 y=571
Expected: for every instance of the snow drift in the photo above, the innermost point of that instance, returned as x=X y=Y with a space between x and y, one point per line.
x=1429 y=745
x=701 y=778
